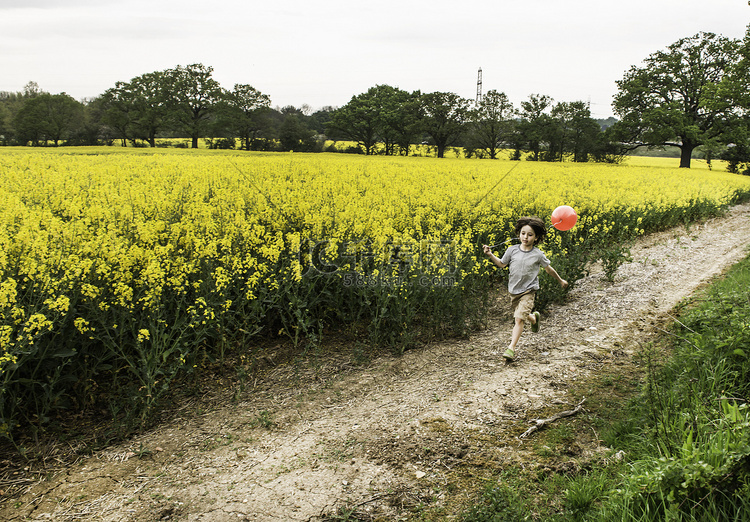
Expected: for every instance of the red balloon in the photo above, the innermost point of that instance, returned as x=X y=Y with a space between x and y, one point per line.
x=564 y=217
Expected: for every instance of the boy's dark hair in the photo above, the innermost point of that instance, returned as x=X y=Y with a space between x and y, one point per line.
x=534 y=222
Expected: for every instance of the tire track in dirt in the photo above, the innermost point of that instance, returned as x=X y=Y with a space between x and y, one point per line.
x=380 y=438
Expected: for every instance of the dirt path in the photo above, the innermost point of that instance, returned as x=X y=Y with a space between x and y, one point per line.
x=384 y=437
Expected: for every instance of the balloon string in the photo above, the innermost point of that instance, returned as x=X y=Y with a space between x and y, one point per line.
x=496 y=184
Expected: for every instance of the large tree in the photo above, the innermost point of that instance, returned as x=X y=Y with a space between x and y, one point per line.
x=359 y=120
x=138 y=109
x=407 y=121
x=48 y=117
x=680 y=96
x=444 y=116
x=151 y=102
x=492 y=122
x=119 y=112
x=194 y=93
x=399 y=117
x=536 y=127
x=246 y=111
x=382 y=114
x=575 y=132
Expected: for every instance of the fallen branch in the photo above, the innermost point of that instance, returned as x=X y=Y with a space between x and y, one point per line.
x=349 y=508
x=540 y=423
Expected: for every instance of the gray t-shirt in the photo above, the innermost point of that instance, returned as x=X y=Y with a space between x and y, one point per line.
x=523 y=268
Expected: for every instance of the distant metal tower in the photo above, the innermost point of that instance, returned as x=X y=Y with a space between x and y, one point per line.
x=479 y=86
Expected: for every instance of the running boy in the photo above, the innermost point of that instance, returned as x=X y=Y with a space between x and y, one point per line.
x=524 y=261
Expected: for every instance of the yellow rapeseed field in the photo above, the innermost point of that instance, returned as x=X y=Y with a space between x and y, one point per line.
x=146 y=262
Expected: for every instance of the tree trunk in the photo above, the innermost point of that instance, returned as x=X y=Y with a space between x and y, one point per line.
x=441 y=145
x=686 y=152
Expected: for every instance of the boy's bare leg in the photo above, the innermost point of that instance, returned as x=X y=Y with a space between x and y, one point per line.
x=516 y=335
x=518 y=330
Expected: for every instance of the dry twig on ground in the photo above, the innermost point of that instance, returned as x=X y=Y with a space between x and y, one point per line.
x=540 y=423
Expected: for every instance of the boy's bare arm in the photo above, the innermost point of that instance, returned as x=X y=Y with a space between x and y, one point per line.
x=551 y=271
x=493 y=257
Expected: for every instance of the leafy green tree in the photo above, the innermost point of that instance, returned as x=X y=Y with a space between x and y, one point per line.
x=492 y=122
x=138 y=109
x=556 y=135
x=683 y=96
x=737 y=152
x=399 y=117
x=247 y=110
x=10 y=104
x=536 y=126
x=48 y=117
x=444 y=117
x=359 y=120
x=119 y=112
x=150 y=98
x=295 y=135
x=607 y=148
x=407 y=120
x=382 y=114
x=91 y=130
x=561 y=131
x=193 y=95
x=318 y=121
x=576 y=132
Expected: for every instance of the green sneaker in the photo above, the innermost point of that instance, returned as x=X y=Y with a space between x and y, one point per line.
x=535 y=326
x=509 y=354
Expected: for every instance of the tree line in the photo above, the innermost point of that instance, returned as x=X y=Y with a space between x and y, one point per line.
x=179 y=102
x=189 y=102
x=694 y=95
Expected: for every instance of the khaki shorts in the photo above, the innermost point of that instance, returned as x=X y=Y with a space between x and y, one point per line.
x=522 y=304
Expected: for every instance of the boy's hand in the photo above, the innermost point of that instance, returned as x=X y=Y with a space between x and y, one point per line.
x=563 y=283
x=486 y=249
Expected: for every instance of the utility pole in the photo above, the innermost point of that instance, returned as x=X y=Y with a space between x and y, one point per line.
x=479 y=86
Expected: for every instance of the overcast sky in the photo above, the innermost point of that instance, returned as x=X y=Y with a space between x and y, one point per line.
x=323 y=53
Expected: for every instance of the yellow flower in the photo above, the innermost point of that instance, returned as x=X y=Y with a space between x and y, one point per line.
x=82 y=325
x=60 y=304
x=143 y=335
